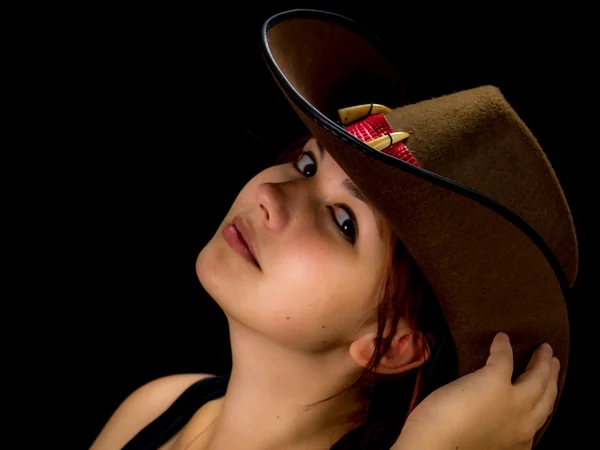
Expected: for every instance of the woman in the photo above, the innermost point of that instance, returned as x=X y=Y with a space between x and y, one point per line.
x=335 y=324
x=273 y=329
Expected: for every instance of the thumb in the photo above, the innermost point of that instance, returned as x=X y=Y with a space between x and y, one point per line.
x=501 y=355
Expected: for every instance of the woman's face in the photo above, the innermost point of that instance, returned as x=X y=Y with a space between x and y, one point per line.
x=320 y=274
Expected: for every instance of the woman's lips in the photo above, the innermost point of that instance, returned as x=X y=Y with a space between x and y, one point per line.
x=236 y=242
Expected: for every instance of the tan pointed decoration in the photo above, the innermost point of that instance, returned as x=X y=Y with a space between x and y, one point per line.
x=354 y=113
x=389 y=139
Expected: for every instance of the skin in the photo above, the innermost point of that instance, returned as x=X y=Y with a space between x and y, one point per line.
x=300 y=326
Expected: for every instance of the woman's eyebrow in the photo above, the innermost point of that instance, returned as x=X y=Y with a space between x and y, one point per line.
x=353 y=190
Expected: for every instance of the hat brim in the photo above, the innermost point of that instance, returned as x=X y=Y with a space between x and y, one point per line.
x=490 y=270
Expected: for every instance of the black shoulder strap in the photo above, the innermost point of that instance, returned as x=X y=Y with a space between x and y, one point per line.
x=161 y=429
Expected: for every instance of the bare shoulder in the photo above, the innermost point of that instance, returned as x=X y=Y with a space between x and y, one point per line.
x=141 y=407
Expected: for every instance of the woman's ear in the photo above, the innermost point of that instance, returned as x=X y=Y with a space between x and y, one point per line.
x=408 y=350
x=361 y=349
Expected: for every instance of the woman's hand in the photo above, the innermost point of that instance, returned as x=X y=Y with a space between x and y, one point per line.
x=483 y=409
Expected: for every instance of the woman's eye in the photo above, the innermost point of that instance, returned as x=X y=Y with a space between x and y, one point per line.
x=348 y=226
x=307 y=166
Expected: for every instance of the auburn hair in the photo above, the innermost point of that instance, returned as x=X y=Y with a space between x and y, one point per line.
x=405 y=294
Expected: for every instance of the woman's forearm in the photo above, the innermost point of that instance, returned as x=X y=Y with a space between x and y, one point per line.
x=411 y=439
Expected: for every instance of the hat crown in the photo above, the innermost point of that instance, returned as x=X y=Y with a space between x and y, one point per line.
x=475 y=138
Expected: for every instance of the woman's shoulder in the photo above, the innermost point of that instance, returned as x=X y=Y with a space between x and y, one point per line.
x=141 y=407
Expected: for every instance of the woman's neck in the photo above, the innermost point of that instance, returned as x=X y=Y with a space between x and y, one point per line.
x=267 y=403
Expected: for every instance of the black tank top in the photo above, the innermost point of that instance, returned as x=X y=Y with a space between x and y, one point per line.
x=165 y=426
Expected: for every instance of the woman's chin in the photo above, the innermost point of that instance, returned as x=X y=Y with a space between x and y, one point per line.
x=209 y=271
x=217 y=272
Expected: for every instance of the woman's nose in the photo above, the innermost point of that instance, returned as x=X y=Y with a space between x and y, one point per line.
x=271 y=201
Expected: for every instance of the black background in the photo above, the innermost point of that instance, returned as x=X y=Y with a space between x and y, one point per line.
x=166 y=112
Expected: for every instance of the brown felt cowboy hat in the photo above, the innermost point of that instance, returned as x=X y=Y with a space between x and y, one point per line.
x=460 y=179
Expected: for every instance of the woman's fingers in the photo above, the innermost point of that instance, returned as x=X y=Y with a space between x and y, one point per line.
x=544 y=408
x=533 y=382
x=501 y=355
